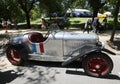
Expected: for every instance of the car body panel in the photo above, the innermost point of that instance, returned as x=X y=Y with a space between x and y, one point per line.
x=58 y=46
x=61 y=46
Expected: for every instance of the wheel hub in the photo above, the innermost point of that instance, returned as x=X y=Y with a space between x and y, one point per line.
x=97 y=66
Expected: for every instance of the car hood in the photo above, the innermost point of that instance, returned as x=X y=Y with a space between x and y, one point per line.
x=80 y=35
x=74 y=35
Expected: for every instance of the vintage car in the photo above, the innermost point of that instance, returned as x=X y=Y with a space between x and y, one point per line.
x=61 y=46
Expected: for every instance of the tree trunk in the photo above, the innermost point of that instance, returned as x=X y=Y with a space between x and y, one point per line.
x=28 y=20
x=115 y=22
x=95 y=12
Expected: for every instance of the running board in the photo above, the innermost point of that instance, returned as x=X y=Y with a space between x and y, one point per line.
x=45 y=57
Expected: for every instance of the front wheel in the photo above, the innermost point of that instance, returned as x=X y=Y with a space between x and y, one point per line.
x=14 y=56
x=97 y=65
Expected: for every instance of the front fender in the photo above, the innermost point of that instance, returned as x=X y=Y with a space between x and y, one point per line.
x=68 y=61
x=108 y=51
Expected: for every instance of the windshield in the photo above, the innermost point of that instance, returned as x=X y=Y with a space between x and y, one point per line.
x=53 y=27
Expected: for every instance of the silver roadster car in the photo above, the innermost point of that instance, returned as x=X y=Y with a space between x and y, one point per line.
x=61 y=46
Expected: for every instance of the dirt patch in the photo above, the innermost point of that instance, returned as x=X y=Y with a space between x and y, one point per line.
x=115 y=44
x=4 y=39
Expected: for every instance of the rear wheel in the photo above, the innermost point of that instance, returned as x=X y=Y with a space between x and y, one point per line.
x=98 y=65
x=14 y=56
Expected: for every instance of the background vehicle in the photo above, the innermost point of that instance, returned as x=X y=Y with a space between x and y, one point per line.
x=79 y=13
x=61 y=46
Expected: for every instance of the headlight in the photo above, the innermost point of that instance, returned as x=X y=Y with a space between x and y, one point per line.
x=100 y=44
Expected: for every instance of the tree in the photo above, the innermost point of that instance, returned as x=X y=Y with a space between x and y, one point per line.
x=96 y=5
x=116 y=5
x=3 y=9
x=51 y=6
x=26 y=6
x=9 y=9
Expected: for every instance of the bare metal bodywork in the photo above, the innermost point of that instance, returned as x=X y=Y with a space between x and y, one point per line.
x=59 y=45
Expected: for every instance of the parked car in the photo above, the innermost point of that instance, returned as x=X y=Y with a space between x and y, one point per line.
x=61 y=46
x=79 y=13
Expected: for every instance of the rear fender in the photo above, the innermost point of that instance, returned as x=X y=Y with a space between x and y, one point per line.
x=23 y=50
x=68 y=61
x=23 y=46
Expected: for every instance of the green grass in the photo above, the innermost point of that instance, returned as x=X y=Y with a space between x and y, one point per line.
x=37 y=21
x=80 y=22
x=75 y=22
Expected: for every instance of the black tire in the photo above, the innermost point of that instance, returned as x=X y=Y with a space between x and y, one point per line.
x=97 y=65
x=14 y=55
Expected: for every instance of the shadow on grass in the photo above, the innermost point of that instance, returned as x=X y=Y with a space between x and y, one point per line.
x=4 y=36
x=115 y=44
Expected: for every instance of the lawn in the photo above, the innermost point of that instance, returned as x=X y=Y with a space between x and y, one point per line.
x=79 y=22
x=75 y=22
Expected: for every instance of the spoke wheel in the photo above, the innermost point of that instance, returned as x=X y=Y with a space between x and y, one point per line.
x=14 y=56
x=98 y=65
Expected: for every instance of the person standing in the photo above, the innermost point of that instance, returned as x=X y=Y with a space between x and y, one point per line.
x=16 y=24
x=3 y=22
x=87 y=26
x=44 y=24
x=9 y=24
x=4 y=25
x=96 y=25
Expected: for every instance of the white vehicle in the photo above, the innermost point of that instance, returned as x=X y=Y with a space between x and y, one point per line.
x=79 y=12
x=61 y=46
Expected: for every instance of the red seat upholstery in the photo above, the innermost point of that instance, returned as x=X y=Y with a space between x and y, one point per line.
x=36 y=37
